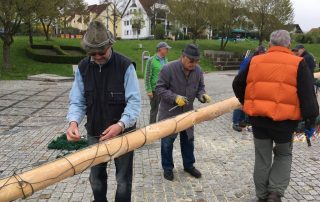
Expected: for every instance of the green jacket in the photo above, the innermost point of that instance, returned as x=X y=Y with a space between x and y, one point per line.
x=152 y=71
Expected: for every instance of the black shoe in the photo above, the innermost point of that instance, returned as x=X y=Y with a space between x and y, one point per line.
x=236 y=127
x=274 y=197
x=193 y=171
x=262 y=200
x=168 y=175
x=243 y=124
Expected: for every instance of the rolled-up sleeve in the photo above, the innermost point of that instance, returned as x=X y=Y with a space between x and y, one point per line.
x=133 y=98
x=77 y=104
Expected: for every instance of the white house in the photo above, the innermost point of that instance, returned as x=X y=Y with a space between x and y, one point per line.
x=127 y=31
x=150 y=10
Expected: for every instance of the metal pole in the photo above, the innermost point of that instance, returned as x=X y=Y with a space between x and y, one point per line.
x=145 y=55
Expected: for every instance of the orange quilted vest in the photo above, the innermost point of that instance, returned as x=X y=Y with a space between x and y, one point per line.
x=272 y=85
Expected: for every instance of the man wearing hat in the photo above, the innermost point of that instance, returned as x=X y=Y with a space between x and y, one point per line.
x=154 y=65
x=180 y=82
x=299 y=50
x=105 y=89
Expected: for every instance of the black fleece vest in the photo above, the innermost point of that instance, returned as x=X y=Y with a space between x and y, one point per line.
x=104 y=92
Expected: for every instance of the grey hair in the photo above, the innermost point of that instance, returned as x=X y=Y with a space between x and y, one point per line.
x=280 y=38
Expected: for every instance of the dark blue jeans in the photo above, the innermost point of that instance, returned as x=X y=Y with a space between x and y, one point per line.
x=98 y=177
x=238 y=116
x=187 y=151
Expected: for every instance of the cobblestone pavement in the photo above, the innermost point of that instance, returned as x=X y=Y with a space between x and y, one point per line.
x=32 y=113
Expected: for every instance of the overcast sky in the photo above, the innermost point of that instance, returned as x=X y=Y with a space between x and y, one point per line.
x=307 y=13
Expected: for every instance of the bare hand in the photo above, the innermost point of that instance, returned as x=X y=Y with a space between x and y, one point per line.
x=150 y=95
x=111 y=132
x=73 y=134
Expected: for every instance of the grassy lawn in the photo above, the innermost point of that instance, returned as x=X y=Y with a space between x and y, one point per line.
x=22 y=66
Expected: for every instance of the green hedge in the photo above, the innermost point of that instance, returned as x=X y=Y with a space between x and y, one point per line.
x=75 y=48
x=62 y=56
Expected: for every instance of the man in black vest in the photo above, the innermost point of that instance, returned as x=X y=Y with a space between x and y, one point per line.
x=106 y=89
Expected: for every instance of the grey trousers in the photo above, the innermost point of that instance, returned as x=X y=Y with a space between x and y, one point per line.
x=154 y=104
x=271 y=175
x=98 y=177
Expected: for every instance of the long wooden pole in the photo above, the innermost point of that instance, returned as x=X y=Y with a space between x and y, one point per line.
x=25 y=184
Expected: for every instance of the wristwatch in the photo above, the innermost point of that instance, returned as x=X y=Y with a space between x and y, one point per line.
x=121 y=124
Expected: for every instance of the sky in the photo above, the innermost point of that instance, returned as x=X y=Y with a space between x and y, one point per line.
x=307 y=13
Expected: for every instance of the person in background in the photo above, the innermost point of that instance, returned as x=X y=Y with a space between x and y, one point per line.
x=180 y=83
x=276 y=91
x=299 y=50
x=239 y=118
x=154 y=65
x=106 y=89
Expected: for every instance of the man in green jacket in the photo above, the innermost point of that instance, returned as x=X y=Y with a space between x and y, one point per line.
x=154 y=65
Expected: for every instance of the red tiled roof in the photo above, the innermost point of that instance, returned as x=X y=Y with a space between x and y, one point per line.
x=98 y=9
x=147 y=6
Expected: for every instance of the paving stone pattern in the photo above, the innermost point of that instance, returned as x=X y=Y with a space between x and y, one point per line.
x=32 y=113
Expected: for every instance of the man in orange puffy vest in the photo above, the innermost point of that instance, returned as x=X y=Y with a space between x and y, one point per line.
x=276 y=90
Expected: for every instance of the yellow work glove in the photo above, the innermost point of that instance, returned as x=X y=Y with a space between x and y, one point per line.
x=205 y=98
x=181 y=100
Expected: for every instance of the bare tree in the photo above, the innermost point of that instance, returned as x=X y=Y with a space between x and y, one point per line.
x=189 y=13
x=29 y=17
x=115 y=13
x=268 y=15
x=137 y=21
x=47 y=13
x=10 y=18
x=70 y=8
x=223 y=16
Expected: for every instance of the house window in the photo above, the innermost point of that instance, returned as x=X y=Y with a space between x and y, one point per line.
x=127 y=32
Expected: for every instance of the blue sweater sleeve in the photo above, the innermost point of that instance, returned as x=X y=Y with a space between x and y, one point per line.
x=244 y=63
x=133 y=98
x=77 y=104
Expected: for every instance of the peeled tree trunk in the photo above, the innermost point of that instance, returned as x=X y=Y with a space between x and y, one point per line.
x=24 y=184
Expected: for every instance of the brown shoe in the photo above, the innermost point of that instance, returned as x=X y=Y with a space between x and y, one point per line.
x=274 y=197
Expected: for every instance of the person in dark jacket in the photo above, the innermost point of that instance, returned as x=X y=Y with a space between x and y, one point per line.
x=180 y=83
x=276 y=91
x=106 y=89
x=238 y=116
x=302 y=52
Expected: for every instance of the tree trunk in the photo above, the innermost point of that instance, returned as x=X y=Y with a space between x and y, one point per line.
x=64 y=24
x=6 y=55
x=30 y=33
x=115 y=27
x=115 y=19
x=260 y=39
x=225 y=43
x=46 y=29
x=221 y=43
